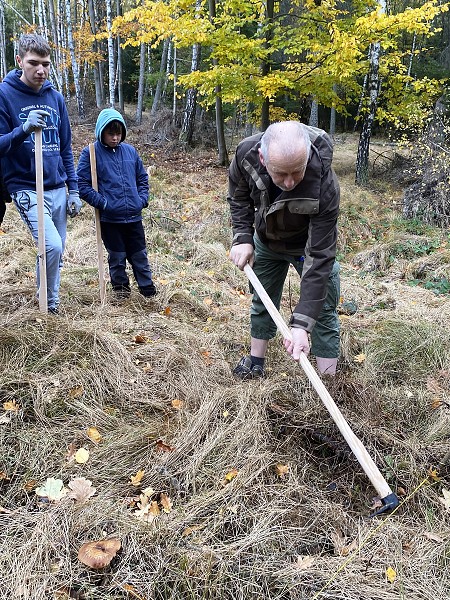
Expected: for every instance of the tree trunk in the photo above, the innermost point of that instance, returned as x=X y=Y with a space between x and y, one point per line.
x=3 y=65
x=175 y=72
x=140 y=98
x=119 y=63
x=220 y=129
x=75 y=71
x=188 y=124
x=110 y=54
x=314 y=114
x=265 y=68
x=99 y=91
x=362 y=158
x=159 y=85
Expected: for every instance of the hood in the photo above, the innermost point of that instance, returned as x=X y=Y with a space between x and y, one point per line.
x=13 y=79
x=104 y=118
x=323 y=143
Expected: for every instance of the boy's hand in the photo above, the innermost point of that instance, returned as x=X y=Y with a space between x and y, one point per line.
x=35 y=120
x=73 y=203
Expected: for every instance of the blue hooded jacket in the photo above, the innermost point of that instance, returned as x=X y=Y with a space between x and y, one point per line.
x=122 y=180
x=17 y=147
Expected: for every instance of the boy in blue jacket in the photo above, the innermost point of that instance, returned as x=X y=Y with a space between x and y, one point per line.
x=28 y=101
x=122 y=194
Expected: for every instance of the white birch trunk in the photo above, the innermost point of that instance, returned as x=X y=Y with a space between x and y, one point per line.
x=111 y=69
x=75 y=69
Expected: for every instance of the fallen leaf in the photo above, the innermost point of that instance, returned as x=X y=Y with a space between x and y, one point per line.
x=207 y=301
x=192 y=529
x=177 y=403
x=434 y=474
x=446 y=499
x=76 y=392
x=436 y=403
x=346 y=550
x=226 y=414
x=139 y=339
x=304 y=562
x=391 y=574
x=360 y=358
x=206 y=355
x=166 y=502
x=163 y=447
x=53 y=489
x=71 y=450
x=167 y=311
x=149 y=491
x=282 y=470
x=231 y=475
x=81 y=489
x=81 y=456
x=29 y=485
x=11 y=405
x=94 y=434
x=4 y=476
x=147 y=511
x=136 y=479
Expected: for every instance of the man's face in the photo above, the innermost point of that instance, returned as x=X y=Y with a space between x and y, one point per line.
x=285 y=172
x=111 y=137
x=35 y=69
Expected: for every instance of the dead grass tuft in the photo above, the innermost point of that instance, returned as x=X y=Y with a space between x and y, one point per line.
x=266 y=499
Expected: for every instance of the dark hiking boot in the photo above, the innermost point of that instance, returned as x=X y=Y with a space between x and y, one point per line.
x=148 y=291
x=246 y=370
x=53 y=310
x=121 y=292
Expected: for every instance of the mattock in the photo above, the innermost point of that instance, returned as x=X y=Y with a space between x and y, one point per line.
x=388 y=498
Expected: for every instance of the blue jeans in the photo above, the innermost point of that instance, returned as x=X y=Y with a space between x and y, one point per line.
x=55 y=219
x=271 y=268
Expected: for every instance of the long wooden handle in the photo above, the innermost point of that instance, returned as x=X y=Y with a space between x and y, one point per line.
x=98 y=231
x=41 y=220
x=364 y=459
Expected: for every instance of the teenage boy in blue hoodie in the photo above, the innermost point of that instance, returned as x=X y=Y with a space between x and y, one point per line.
x=122 y=194
x=28 y=101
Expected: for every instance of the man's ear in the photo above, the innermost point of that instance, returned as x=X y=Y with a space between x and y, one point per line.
x=19 y=60
x=261 y=157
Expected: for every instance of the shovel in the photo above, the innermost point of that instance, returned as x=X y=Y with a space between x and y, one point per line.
x=388 y=497
x=41 y=221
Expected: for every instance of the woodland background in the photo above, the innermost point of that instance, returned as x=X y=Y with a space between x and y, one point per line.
x=123 y=421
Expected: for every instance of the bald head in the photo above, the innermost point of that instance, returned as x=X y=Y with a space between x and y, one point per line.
x=284 y=151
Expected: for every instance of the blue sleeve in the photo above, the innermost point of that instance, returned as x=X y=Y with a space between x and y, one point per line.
x=142 y=181
x=65 y=136
x=87 y=192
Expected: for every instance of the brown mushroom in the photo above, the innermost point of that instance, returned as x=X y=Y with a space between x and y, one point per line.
x=100 y=553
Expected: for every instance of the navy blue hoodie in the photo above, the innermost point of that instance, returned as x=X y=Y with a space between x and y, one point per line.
x=122 y=180
x=17 y=147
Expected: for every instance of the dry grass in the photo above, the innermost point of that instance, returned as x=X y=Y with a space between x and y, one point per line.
x=169 y=406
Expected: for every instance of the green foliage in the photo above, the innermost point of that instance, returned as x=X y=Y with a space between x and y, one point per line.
x=306 y=49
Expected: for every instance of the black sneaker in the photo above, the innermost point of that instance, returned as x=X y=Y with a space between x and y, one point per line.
x=246 y=370
x=148 y=291
x=122 y=292
x=53 y=310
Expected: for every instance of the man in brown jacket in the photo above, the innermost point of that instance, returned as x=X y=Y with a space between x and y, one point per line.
x=284 y=201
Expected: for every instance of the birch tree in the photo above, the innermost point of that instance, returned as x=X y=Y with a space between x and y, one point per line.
x=75 y=70
x=141 y=84
x=111 y=69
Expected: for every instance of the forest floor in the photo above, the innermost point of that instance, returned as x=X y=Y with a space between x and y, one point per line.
x=127 y=421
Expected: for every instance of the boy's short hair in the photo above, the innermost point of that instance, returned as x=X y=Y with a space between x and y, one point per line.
x=33 y=42
x=114 y=127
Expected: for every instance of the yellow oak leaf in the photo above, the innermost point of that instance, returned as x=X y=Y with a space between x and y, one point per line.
x=94 y=434
x=136 y=479
x=391 y=574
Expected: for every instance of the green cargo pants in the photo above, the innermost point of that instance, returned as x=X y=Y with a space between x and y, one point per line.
x=271 y=268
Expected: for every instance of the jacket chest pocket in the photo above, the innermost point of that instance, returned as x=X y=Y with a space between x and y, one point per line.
x=289 y=216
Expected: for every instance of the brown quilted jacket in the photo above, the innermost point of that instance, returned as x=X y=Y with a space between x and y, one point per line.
x=301 y=222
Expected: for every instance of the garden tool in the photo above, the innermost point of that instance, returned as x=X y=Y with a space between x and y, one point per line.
x=388 y=497
x=98 y=231
x=41 y=220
